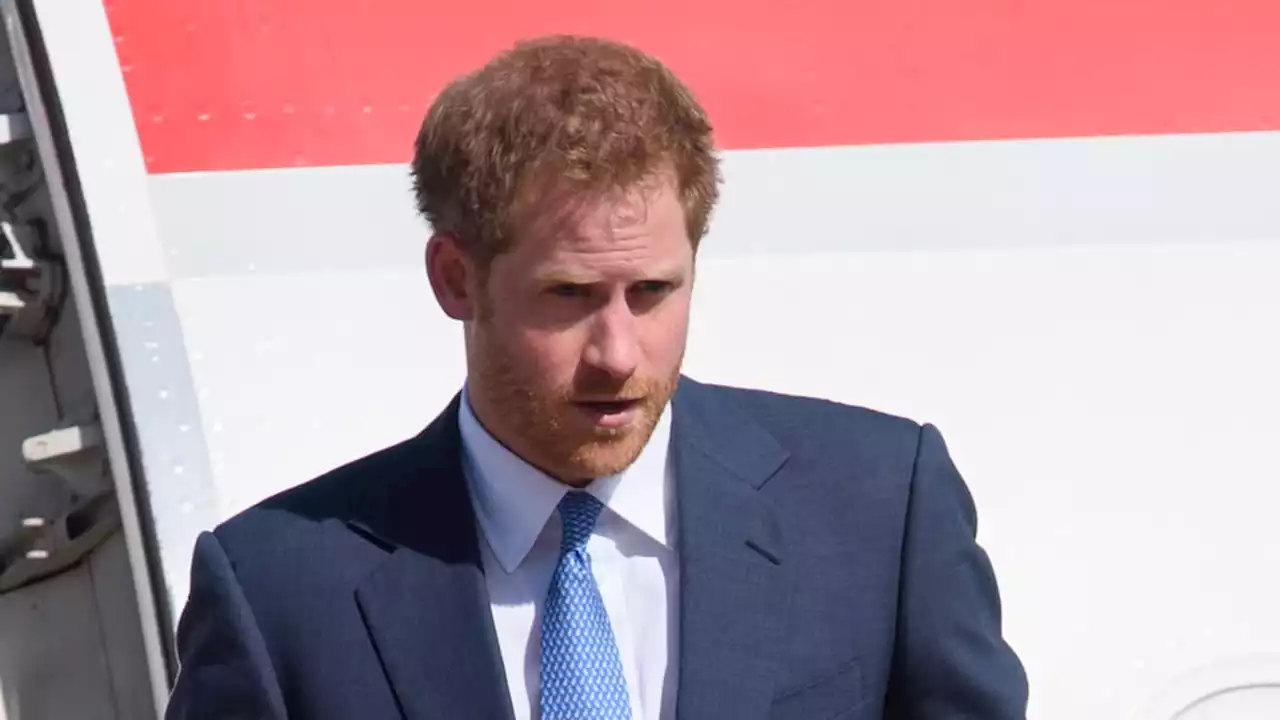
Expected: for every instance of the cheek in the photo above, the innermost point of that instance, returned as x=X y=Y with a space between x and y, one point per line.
x=552 y=356
x=664 y=336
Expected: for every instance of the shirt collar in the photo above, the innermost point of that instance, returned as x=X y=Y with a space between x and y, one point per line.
x=514 y=500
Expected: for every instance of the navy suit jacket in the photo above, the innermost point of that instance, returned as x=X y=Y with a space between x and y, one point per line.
x=828 y=569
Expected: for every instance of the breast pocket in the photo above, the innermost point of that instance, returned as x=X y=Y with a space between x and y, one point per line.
x=838 y=696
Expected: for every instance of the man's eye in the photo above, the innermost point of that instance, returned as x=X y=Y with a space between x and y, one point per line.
x=653 y=287
x=567 y=290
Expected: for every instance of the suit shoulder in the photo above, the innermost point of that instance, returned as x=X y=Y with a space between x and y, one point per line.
x=822 y=434
x=338 y=494
x=810 y=415
x=307 y=542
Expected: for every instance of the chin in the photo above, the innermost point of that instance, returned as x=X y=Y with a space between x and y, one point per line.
x=607 y=457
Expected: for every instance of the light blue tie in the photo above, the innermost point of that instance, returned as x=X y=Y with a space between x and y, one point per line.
x=581 y=671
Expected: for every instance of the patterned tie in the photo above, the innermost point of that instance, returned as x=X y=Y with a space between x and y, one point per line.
x=581 y=671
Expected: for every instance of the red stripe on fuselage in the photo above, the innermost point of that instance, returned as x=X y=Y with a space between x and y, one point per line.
x=233 y=84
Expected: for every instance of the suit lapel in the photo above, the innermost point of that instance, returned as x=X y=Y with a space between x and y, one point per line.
x=732 y=593
x=426 y=606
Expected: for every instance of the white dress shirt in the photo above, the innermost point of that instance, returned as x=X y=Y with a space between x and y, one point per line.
x=633 y=559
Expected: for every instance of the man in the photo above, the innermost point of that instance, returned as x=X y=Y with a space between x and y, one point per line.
x=584 y=532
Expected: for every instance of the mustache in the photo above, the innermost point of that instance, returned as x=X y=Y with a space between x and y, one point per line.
x=605 y=388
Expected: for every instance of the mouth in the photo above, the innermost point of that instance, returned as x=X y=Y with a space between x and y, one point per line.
x=609 y=413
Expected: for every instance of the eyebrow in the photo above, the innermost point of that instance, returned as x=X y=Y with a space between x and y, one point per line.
x=551 y=276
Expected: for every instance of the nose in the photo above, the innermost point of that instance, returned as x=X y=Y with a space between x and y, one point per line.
x=613 y=347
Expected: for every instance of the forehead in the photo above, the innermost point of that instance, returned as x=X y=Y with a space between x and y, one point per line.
x=645 y=218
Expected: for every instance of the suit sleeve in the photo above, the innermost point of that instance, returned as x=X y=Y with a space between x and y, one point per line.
x=951 y=660
x=225 y=671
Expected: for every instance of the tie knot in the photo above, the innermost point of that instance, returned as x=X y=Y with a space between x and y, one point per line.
x=578 y=514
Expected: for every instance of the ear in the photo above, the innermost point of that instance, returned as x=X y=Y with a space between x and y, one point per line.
x=454 y=277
